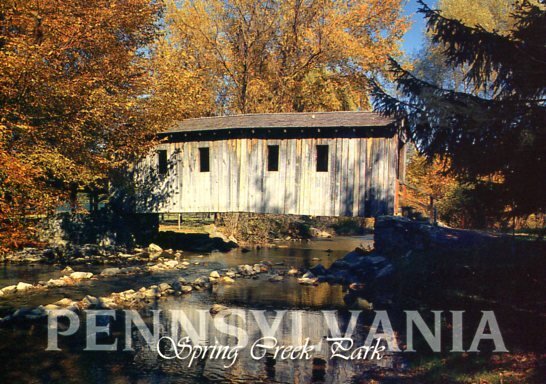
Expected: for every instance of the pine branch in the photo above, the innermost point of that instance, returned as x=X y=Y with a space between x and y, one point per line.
x=492 y=58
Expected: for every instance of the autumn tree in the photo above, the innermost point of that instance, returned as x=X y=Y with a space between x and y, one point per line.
x=72 y=79
x=498 y=131
x=180 y=87
x=294 y=55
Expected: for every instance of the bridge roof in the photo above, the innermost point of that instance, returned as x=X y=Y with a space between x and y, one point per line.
x=283 y=120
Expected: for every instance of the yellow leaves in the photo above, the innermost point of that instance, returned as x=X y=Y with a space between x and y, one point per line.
x=70 y=77
x=255 y=55
x=493 y=15
x=180 y=87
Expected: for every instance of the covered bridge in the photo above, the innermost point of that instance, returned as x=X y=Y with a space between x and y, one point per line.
x=321 y=164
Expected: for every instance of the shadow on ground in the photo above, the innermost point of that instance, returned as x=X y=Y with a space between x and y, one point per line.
x=193 y=242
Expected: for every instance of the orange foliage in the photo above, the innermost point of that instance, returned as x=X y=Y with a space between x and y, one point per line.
x=271 y=56
x=72 y=74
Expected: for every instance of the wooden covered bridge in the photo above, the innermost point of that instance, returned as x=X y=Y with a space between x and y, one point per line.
x=320 y=164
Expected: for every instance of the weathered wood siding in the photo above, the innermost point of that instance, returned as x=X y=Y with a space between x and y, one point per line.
x=360 y=181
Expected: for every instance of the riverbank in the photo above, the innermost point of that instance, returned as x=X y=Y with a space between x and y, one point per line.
x=304 y=278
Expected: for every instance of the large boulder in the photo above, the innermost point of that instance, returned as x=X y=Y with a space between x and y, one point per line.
x=9 y=289
x=67 y=271
x=217 y=308
x=154 y=248
x=185 y=289
x=56 y=283
x=22 y=287
x=214 y=275
x=318 y=270
x=200 y=281
x=394 y=235
x=360 y=267
x=171 y=264
x=91 y=302
x=110 y=272
x=245 y=270
x=81 y=275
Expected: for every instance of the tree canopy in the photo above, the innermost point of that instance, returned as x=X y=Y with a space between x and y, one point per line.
x=294 y=55
x=499 y=128
x=72 y=79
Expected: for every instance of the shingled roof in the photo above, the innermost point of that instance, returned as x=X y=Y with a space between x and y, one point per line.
x=283 y=120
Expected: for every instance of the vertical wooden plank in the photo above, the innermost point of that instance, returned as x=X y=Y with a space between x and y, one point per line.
x=213 y=176
x=235 y=165
x=191 y=176
x=249 y=169
x=333 y=176
x=291 y=178
x=196 y=184
x=261 y=202
x=355 y=175
x=369 y=179
x=383 y=176
x=388 y=160
x=339 y=177
x=179 y=179
x=376 y=176
x=251 y=174
x=344 y=178
x=287 y=161
x=236 y=174
x=224 y=186
x=183 y=177
x=304 y=171
x=393 y=182
x=254 y=177
x=243 y=175
x=350 y=177
x=315 y=200
x=199 y=190
x=308 y=152
x=379 y=175
x=205 y=196
x=363 y=177
x=227 y=179
x=211 y=204
x=281 y=187
x=298 y=176
x=279 y=201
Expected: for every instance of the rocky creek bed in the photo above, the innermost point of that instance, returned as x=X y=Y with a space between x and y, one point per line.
x=351 y=271
x=413 y=266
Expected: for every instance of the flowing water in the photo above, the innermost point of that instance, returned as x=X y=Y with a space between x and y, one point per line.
x=297 y=308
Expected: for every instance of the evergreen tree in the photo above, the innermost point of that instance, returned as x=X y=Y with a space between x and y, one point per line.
x=499 y=128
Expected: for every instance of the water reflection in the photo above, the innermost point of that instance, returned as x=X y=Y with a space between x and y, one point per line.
x=24 y=359
x=290 y=327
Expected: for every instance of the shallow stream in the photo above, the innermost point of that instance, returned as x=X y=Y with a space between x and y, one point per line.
x=299 y=308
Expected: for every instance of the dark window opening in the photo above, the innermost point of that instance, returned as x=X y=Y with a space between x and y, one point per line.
x=322 y=158
x=272 y=158
x=204 y=159
x=162 y=166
